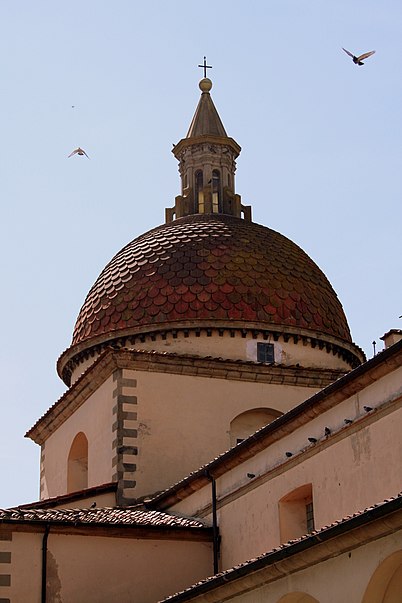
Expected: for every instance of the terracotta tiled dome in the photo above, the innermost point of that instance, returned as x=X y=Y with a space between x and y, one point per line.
x=209 y=268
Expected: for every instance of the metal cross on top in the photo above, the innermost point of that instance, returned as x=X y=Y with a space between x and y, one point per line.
x=205 y=66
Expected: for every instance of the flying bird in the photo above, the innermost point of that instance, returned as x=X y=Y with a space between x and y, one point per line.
x=78 y=151
x=359 y=60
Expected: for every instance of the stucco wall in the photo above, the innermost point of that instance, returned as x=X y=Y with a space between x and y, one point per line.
x=181 y=422
x=184 y=421
x=25 y=568
x=225 y=346
x=357 y=465
x=99 y=569
x=235 y=348
x=107 y=499
x=343 y=578
x=95 y=419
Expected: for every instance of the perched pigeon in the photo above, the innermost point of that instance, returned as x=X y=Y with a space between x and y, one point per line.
x=359 y=60
x=78 y=151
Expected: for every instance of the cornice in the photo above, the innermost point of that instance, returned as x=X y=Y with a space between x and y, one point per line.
x=206 y=138
x=112 y=359
x=75 y=355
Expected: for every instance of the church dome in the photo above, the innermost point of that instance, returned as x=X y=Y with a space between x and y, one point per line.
x=210 y=267
x=214 y=268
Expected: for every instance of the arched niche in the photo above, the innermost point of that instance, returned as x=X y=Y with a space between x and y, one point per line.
x=385 y=585
x=77 y=464
x=296 y=513
x=297 y=598
x=249 y=421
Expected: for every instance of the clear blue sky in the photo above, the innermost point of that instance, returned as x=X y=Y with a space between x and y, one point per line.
x=321 y=159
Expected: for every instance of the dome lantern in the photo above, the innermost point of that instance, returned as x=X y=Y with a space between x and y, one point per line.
x=207 y=165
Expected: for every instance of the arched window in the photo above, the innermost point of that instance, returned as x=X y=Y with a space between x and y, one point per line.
x=216 y=192
x=296 y=513
x=248 y=422
x=199 y=193
x=77 y=464
x=385 y=585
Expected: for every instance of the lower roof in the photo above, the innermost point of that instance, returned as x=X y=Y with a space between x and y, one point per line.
x=106 y=515
x=341 y=528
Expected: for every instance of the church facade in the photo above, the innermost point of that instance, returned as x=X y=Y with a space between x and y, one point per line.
x=221 y=436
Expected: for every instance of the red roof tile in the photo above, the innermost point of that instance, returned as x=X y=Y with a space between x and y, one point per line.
x=208 y=267
x=116 y=516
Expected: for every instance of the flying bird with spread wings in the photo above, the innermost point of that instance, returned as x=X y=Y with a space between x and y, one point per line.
x=78 y=151
x=359 y=60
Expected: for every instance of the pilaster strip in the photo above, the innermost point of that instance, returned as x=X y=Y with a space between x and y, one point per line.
x=125 y=433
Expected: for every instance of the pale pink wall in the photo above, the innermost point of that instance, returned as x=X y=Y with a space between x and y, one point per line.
x=184 y=421
x=100 y=570
x=236 y=348
x=26 y=568
x=95 y=419
x=107 y=499
x=343 y=578
x=287 y=353
x=353 y=468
